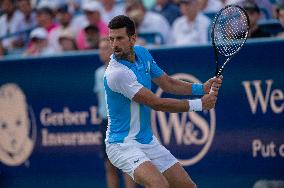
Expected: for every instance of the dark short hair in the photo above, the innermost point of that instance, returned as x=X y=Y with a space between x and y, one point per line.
x=122 y=21
x=91 y=28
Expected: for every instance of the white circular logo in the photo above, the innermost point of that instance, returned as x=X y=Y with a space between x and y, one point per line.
x=188 y=134
x=17 y=126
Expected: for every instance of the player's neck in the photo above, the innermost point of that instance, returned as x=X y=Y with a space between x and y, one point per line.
x=131 y=57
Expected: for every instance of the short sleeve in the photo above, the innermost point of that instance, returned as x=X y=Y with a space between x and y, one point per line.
x=125 y=82
x=155 y=70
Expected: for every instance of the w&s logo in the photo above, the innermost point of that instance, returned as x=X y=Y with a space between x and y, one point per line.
x=187 y=135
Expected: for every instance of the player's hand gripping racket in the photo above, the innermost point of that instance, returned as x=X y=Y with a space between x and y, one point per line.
x=229 y=33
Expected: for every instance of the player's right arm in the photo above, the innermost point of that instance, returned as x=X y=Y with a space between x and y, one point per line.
x=123 y=81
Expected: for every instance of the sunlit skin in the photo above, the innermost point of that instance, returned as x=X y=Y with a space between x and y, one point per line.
x=122 y=44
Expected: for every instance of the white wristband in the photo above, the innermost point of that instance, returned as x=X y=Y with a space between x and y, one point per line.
x=195 y=105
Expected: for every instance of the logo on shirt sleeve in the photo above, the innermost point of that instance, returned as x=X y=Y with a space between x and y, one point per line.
x=148 y=67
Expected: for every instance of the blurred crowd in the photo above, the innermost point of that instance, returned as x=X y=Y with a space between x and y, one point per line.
x=46 y=27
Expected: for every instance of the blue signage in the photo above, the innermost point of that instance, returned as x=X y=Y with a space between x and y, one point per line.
x=49 y=133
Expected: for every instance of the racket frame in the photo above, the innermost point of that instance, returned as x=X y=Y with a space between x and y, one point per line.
x=218 y=71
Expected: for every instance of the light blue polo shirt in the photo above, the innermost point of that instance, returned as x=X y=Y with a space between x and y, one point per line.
x=127 y=119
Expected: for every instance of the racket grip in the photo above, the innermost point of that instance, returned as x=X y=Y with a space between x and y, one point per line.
x=211 y=90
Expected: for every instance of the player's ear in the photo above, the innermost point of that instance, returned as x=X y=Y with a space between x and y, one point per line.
x=133 y=39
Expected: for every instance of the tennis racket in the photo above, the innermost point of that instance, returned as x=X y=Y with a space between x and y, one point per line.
x=228 y=34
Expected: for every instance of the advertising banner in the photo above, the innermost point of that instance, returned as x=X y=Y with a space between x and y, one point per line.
x=49 y=133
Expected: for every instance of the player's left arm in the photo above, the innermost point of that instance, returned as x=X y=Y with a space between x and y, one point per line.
x=172 y=85
x=179 y=87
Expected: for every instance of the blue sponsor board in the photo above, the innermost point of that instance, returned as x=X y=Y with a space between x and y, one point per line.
x=49 y=125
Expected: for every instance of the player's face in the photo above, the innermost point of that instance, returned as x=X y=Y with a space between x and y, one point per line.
x=121 y=43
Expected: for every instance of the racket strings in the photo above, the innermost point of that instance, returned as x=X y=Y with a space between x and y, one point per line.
x=230 y=31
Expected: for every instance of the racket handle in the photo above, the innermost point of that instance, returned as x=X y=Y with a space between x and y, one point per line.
x=214 y=83
x=211 y=90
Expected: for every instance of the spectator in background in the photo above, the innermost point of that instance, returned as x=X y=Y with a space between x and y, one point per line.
x=45 y=18
x=91 y=38
x=111 y=9
x=92 y=11
x=10 y=23
x=39 y=43
x=29 y=21
x=167 y=9
x=254 y=14
x=280 y=16
x=146 y=21
x=111 y=171
x=64 y=18
x=192 y=27
x=29 y=14
x=66 y=41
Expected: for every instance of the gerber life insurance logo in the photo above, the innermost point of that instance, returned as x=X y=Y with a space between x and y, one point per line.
x=187 y=135
x=17 y=126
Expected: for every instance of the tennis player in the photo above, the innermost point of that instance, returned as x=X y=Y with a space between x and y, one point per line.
x=130 y=144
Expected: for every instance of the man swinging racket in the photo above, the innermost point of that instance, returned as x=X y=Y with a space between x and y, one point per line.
x=130 y=143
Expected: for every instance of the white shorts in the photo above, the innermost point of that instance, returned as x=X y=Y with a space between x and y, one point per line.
x=128 y=156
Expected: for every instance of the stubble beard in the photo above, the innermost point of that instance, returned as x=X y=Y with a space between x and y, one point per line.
x=126 y=55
